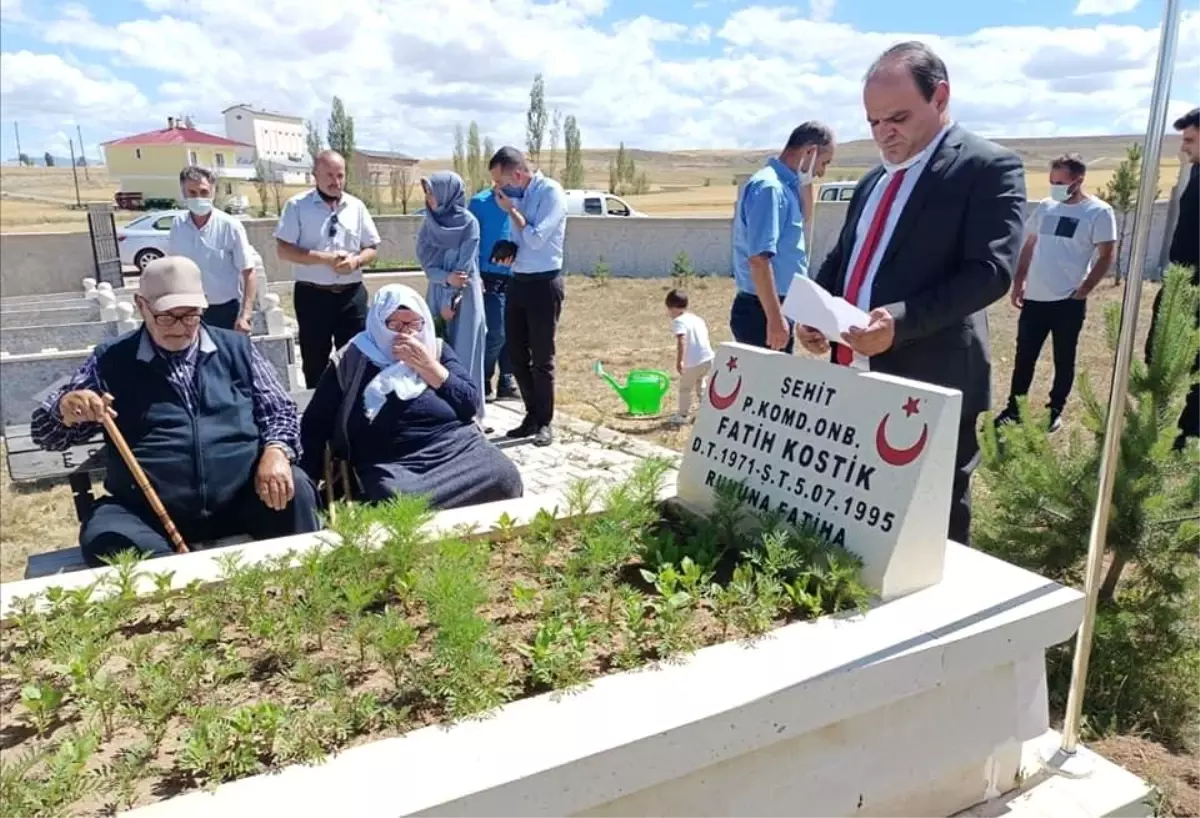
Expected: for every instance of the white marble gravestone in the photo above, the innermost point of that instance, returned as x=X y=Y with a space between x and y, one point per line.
x=866 y=458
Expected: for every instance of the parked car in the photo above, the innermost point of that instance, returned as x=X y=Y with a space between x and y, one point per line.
x=145 y=238
x=836 y=191
x=597 y=203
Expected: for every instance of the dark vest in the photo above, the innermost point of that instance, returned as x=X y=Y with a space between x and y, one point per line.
x=196 y=461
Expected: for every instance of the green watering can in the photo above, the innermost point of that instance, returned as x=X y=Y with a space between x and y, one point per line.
x=643 y=391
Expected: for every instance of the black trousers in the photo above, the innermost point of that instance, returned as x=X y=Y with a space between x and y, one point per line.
x=328 y=318
x=748 y=323
x=966 y=460
x=223 y=315
x=113 y=527
x=1062 y=321
x=1189 y=418
x=531 y=322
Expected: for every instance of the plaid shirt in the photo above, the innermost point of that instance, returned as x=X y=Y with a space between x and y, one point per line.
x=275 y=413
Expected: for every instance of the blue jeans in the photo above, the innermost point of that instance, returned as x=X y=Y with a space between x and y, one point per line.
x=748 y=322
x=496 y=353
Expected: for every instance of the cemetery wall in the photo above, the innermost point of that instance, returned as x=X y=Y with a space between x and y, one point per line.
x=35 y=263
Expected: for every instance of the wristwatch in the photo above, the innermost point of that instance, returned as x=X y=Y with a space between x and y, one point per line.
x=283 y=447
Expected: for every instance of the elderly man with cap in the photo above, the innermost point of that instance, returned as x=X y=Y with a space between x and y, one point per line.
x=203 y=413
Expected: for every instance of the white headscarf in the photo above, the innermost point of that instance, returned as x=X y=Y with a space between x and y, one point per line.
x=395 y=377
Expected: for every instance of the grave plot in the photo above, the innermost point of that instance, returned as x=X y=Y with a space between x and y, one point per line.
x=725 y=656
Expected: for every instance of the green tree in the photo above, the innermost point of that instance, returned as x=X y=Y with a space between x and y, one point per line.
x=48 y=159
x=24 y=161
x=261 y=184
x=535 y=120
x=1121 y=193
x=555 y=136
x=475 y=161
x=573 y=171
x=1040 y=501
x=312 y=138
x=489 y=150
x=340 y=135
x=460 y=152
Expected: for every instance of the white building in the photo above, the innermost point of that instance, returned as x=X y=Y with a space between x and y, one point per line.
x=279 y=140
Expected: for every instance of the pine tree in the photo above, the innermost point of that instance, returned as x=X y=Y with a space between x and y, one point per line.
x=535 y=120
x=460 y=152
x=1121 y=193
x=1038 y=515
x=312 y=138
x=573 y=171
x=475 y=161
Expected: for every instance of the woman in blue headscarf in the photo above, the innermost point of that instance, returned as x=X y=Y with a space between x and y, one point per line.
x=448 y=250
x=400 y=408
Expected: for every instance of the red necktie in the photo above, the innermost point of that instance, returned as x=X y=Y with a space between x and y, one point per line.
x=844 y=354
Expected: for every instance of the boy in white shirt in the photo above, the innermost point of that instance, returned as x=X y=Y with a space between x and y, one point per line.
x=693 y=353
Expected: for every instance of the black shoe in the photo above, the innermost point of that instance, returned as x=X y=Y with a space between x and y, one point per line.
x=1055 y=421
x=526 y=429
x=544 y=436
x=507 y=391
x=1006 y=417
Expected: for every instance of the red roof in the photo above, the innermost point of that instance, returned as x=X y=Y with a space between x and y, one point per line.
x=176 y=136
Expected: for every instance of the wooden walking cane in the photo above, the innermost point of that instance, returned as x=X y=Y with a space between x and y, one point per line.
x=329 y=500
x=139 y=476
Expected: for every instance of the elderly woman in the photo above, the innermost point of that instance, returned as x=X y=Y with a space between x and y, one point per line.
x=448 y=250
x=400 y=408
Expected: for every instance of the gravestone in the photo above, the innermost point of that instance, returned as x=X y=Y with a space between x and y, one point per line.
x=864 y=458
x=105 y=251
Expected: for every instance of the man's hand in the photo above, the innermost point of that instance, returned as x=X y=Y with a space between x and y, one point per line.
x=878 y=336
x=1082 y=292
x=813 y=340
x=346 y=264
x=242 y=324
x=84 y=406
x=273 y=481
x=506 y=204
x=777 y=332
x=457 y=280
x=1017 y=294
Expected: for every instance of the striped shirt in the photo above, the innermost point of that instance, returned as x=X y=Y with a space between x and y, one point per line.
x=275 y=413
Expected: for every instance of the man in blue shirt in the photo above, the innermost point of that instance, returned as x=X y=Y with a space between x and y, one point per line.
x=493 y=227
x=769 y=247
x=537 y=208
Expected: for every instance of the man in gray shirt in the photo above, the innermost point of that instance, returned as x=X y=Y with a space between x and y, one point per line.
x=1070 y=243
x=328 y=236
x=217 y=243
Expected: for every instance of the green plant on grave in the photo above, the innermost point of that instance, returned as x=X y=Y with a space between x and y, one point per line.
x=558 y=651
x=682 y=271
x=41 y=701
x=122 y=774
x=103 y=696
x=636 y=628
x=602 y=272
x=393 y=641
x=1040 y=499
x=673 y=609
x=46 y=781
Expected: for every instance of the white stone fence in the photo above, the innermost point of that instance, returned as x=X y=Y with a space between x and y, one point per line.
x=41 y=263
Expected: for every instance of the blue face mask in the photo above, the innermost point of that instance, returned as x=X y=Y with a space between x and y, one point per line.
x=512 y=191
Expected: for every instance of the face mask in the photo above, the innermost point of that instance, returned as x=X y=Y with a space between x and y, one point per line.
x=807 y=176
x=1060 y=193
x=328 y=199
x=512 y=191
x=199 y=206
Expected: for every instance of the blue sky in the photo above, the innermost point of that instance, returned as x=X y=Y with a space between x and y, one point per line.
x=670 y=74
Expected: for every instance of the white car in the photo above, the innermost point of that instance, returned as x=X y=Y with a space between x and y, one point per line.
x=597 y=203
x=145 y=238
x=841 y=191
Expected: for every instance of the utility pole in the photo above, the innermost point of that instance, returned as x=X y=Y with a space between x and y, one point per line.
x=17 y=131
x=82 y=154
x=75 y=172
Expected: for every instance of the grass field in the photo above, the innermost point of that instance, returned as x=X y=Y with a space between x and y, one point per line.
x=682 y=183
x=624 y=324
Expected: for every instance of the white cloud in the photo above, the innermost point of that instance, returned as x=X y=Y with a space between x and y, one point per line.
x=1106 y=8
x=408 y=71
x=10 y=11
x=821 y=10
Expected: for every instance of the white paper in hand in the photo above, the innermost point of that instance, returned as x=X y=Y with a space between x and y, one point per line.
x=811 y=305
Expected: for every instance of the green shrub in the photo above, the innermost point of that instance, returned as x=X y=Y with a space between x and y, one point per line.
x=1038 y=502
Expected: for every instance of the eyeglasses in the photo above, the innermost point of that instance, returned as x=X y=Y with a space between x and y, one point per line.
x=333 y=225
x=416 y=325
x=166 y=319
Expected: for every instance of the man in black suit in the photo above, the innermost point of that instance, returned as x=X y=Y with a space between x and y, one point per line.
x=930 y=240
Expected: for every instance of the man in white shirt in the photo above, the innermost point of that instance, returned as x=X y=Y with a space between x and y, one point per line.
x=217 y=243
x=1070 y=242
x=328 y=236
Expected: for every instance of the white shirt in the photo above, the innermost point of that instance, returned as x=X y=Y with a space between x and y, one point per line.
x=1067 y=235
x=219 y=248
x=308 y=222
x=915 y=166
x=696 y=348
